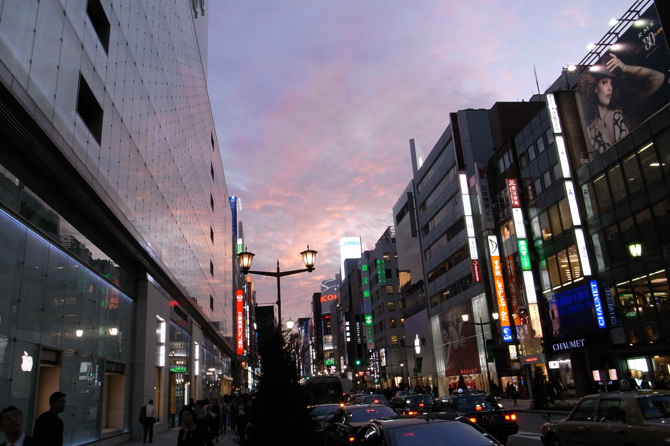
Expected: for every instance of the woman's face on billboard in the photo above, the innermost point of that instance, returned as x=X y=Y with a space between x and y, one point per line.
x=603 y=90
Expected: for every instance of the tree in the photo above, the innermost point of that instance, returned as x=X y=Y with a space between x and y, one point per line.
x=539 y=394
x=279 y=409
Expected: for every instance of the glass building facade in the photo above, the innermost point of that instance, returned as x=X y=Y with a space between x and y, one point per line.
x=115 y=222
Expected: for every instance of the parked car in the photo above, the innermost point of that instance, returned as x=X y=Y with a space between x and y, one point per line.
x=613 y=419
x=412 y=403
x=421 y=431
x=482 y=409
x=341 y=427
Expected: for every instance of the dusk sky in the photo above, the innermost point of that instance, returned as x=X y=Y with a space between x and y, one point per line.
x=315 y=102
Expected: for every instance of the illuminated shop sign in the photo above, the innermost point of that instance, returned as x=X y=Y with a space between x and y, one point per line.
x=598 y=304
x=328 y=298
x=499 y=282
x=367 y=300
x=533 y=359
x=470 y=226
x=515 y=201
x=568 y=345
x=523 y=254
x=239 y=311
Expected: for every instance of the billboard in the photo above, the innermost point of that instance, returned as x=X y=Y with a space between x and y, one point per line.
x=459 y=341
x=626 y=85
x=350 y=248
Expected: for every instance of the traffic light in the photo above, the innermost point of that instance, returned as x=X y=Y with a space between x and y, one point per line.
x=358 y=362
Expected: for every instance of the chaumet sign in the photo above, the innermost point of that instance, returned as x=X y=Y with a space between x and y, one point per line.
x=577 y=343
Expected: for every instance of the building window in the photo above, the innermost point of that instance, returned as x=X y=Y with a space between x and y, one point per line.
x=389 y=289
x=211 y=302
x=211 y=268
x=89 y=110
x=393 y=323
x=99 y=21
x=390 y=306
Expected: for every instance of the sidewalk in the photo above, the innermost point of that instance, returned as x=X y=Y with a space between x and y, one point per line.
x=524 y=405
x=169 y=438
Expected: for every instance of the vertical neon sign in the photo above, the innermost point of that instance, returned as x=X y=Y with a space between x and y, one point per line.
x=496 y=267
x=239 y=311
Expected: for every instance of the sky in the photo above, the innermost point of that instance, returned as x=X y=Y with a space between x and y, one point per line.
x=315 y=102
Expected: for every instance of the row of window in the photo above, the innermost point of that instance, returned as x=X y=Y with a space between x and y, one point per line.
x=626 y=179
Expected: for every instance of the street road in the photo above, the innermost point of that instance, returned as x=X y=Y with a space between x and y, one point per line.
x=529 y=429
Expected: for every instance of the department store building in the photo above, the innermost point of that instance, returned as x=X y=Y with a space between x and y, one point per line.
x=115 y=221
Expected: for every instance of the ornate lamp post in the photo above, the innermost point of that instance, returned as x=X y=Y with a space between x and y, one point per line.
x=308 y=258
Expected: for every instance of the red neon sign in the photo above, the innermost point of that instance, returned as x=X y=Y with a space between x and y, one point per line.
x=239 y=310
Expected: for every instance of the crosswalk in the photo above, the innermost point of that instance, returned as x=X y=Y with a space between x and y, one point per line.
x=531 y=435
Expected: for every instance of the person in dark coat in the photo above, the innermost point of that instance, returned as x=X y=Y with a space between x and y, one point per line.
x=48 y=426
x=190 y=432
x=11 y=423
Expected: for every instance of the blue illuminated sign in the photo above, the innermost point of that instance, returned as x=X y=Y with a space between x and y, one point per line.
x=597 y=303
x=507 y=334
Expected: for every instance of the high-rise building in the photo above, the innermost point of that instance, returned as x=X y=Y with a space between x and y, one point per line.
x=115 y=222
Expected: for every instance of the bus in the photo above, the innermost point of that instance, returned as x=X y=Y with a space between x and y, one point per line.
x=324 y=390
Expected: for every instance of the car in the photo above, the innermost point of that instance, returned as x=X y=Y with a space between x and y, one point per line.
x=374 y=398
x=412 y=403
x=482 y=409
x=341 y=427
x=422 y=430
x=640 y=417
x=320 y=413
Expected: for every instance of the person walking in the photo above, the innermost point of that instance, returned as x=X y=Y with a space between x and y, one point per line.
x=225 y=412
x=48 y=426
x=214 y=418
x=148 y=418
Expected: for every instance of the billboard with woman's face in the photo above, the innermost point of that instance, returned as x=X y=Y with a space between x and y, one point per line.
x=627 y=84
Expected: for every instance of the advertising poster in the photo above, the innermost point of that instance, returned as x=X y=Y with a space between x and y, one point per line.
x=626 y=86
x=459 y=341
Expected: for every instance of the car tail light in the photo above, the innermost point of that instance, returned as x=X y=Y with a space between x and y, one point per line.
x=473 y=419
x=351 y=439
x=510 y=417
x=420 y=404
x=411 y=412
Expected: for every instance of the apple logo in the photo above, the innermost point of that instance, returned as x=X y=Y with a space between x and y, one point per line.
x=26 y=362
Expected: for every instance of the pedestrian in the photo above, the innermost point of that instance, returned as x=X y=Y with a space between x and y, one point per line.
x=48 y=426
x=225 y=412
x=11 y=423
x=190 y=432
x=560 y=390
x=214 y=418
x=233 y=413
x=242 y=417
x=148 y=418
x=512 y=393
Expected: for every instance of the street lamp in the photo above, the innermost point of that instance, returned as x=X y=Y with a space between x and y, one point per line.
x=308 y=258
x=481 y=324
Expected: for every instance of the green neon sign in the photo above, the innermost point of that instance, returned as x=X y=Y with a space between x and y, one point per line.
x=523 y=254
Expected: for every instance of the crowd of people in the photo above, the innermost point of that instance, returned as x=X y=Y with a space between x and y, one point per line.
x=203 y=421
